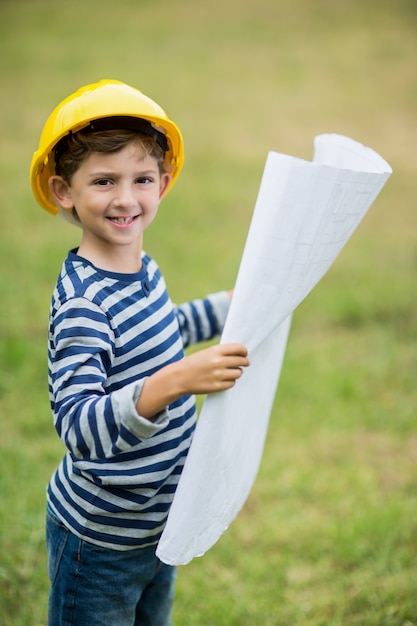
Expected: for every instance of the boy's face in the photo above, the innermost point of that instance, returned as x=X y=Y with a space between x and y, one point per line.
x=116 y=196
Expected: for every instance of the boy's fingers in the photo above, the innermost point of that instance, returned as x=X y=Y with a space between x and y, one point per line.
x=234 y=348
x=236 y=365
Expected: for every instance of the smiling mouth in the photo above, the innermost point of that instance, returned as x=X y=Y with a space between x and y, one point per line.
x=123 y=221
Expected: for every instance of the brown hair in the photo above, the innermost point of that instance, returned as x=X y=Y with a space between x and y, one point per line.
x=73 y=149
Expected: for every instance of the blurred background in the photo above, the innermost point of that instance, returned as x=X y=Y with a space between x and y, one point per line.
x=329 y=534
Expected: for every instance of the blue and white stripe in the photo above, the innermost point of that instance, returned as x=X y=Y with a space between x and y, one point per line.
x=108 y=332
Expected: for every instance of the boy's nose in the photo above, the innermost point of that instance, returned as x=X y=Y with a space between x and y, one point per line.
x=125 y=197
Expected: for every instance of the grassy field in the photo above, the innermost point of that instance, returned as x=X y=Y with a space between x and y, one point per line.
x=328 y=536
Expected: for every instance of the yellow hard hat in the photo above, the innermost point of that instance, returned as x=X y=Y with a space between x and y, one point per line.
x=104 y=99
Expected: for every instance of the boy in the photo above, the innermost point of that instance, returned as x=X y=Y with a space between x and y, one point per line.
x=121 y=389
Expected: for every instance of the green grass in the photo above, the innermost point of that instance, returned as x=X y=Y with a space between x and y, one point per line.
x=328 y=534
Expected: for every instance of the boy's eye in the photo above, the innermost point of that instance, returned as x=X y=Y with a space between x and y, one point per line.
x=102 y=182
x=143 y=180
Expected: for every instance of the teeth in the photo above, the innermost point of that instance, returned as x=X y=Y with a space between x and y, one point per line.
x=121 y=220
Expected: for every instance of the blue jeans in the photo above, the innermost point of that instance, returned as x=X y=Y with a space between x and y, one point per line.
x=95 y=586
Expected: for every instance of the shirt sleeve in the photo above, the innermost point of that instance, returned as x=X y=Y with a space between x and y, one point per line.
x=201 y=320
x=92 y=423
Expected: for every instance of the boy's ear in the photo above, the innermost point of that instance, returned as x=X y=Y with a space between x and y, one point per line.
x=60 y=192
x=165 y=183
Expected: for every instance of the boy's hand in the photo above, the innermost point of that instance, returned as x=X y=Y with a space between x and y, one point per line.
x=214 y=369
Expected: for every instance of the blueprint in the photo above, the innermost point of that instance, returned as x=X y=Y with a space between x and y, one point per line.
x=305 y=213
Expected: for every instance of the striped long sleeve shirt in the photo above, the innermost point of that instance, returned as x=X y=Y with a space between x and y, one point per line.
x=108 y=332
